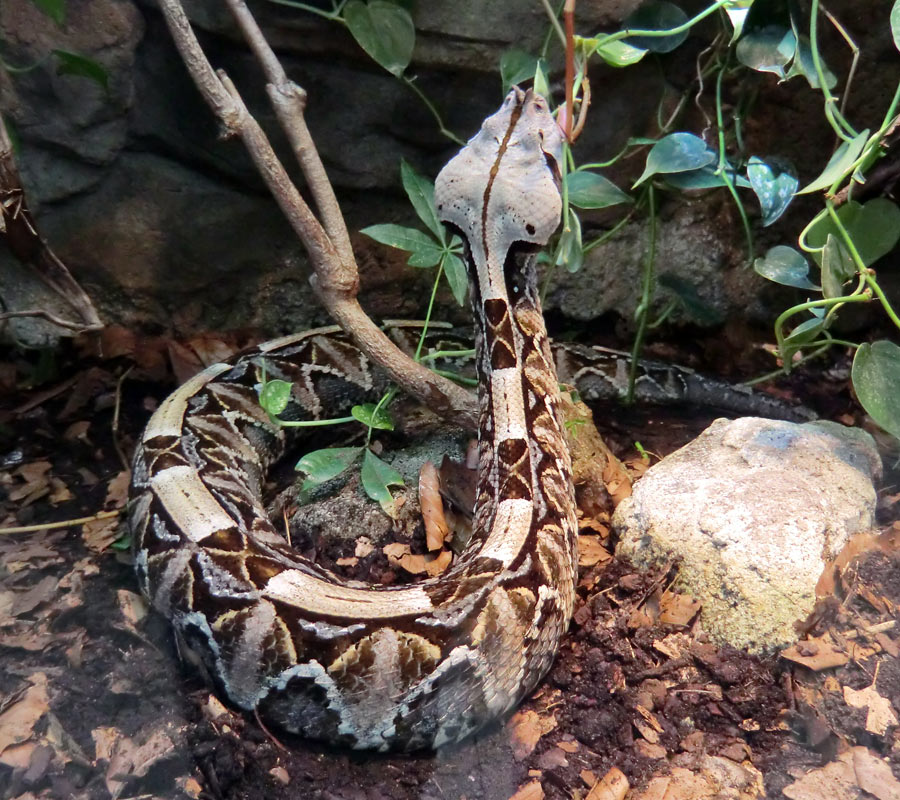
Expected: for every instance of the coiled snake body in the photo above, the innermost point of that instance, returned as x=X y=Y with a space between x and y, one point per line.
x=387 y=667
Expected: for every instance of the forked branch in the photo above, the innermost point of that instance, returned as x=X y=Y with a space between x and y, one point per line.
x=336 y=278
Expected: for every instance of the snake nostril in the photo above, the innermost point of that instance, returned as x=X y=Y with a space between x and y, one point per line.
x=530 y=228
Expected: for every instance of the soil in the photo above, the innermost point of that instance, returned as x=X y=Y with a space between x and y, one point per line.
x=95 y=702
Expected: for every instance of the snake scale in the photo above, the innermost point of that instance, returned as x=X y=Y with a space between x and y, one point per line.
x=393 y=667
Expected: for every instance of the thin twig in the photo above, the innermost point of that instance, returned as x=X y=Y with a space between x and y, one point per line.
x=66 y=523
x=569 y=19
x=115 y=420
x=80 y=327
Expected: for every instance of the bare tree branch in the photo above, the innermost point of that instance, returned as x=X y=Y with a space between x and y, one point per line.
x=336 y=278
x=19 y=231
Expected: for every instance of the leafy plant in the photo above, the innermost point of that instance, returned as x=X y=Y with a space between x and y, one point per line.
x=67 y=63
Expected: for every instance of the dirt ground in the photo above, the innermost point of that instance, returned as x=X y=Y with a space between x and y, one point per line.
x=94 y=702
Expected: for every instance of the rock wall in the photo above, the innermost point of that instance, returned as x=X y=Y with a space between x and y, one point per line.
x=168 y=227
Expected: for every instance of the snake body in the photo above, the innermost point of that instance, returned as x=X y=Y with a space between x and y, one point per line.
x=380 y=667
x=389 y=667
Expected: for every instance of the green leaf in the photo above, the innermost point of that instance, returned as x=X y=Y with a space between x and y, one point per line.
x=656 y=15
x=570 y=250
x=803 y=334
x=677 y=152
x=804 y=65
x=420 y=192
x=786 y=266
x=704 y=178
x=590 y=190
x=384 y=30
x=73 y=64
x=876 y=381
x=274 y=396
x=767 y=49
x=774 y=183
x=423 y=250
x=377 y=478
x=737 y=16
x=541 y=81
x=55 y=9
x=873 y=227
x=323 y=465
x=374 y=416
x=617 y=53
x=456 y=274
x=895 y=23
x=837 y=267
x=690 y=299
x=839 y=164
x=516 y=66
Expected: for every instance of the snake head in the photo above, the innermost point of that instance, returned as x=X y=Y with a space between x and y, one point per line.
x=503 y=186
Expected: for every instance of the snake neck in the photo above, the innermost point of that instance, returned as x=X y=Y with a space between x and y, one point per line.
x=524 y=466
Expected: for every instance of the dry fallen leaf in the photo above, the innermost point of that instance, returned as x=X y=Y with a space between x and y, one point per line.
x=841 y=779
x=880 y=714
x=591 y=551
x=525 y=729
x=436 y=530
x=431 y=564
x=19 y=718
x=816 y=654
x=677 y=609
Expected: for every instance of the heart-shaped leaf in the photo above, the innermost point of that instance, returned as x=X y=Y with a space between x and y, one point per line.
x=873 y=227
x=774 y=183
x=656 y=15
x=677 y=152
x=784 y=265
x=767 y=49
x=274 y=396
x=876 y=381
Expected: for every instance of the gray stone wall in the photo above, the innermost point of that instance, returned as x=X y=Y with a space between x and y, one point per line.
x=168 y=227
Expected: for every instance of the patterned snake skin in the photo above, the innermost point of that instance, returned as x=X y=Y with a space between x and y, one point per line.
x=389 y=667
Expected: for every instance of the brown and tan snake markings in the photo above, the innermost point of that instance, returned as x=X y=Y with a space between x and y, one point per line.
x=390 y=667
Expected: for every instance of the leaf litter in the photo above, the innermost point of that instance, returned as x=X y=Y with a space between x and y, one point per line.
x=94 y=706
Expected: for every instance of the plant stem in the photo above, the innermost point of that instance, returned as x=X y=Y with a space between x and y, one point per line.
x=643 y=309
x=431 y=108
x=722 y=169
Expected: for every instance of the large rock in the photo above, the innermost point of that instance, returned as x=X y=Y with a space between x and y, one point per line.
x=752 y=510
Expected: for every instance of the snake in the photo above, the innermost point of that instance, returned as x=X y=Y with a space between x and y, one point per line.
x=388 y=667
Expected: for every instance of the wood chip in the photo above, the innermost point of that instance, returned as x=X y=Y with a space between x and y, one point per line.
x=612 y=786
x=530 y=791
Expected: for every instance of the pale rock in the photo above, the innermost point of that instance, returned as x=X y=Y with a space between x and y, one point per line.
x=753 y=510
